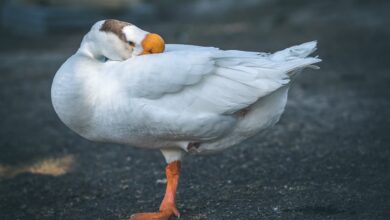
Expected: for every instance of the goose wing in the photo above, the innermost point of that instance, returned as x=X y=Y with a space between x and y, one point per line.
x=193 y=92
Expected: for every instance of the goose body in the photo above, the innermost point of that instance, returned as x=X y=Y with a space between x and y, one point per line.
x=188 y=94
x=187 y=99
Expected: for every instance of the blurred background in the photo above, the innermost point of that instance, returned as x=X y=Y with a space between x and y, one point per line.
x=328 y=157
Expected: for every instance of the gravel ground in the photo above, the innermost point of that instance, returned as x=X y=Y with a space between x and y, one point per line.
x=328 y=157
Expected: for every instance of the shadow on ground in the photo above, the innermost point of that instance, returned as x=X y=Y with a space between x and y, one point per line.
x=328 y=158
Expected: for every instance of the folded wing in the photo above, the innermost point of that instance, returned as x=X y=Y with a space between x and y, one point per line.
x=204 y=87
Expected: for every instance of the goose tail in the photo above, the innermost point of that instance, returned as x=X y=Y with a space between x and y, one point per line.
x=297 y=57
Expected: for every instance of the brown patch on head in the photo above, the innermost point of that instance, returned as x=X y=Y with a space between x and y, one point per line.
x=115 y=27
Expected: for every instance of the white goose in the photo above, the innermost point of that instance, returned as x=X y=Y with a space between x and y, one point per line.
x=189 y=99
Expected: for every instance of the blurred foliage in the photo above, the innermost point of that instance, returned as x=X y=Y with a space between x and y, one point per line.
x=109 y=4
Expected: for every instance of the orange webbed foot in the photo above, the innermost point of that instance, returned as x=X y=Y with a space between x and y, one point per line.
x=161 y=215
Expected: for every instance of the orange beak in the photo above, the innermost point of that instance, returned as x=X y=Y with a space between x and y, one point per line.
x=153 y=43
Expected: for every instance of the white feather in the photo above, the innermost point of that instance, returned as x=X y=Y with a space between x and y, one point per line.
x=186 y=94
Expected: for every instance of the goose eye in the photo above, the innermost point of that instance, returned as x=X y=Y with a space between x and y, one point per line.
x=131 y=43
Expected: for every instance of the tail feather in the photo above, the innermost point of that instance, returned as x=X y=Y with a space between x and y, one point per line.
x=248 y=67
x=299 y=63
x=296 y=58
x=294 y=52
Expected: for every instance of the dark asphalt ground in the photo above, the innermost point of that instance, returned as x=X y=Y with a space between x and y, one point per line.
x=328 y=157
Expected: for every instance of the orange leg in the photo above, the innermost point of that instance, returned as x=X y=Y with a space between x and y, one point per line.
x=167 y=207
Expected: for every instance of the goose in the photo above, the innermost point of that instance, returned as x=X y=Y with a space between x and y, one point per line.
x=126 y=86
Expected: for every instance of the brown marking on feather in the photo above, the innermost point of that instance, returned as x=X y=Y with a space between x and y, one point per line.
x=193 y=145
x=243 y=112
x=115 y=27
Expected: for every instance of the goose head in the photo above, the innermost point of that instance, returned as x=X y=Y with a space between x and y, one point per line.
x=117 y=40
